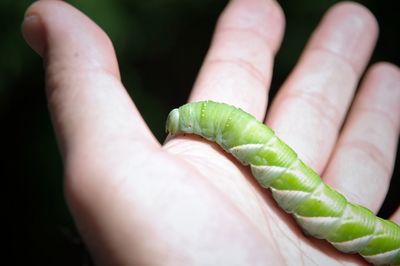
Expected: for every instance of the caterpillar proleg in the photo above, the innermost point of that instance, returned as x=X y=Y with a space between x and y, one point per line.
x=321 y=211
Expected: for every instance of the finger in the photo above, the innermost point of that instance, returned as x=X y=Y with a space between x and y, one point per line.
x=363 y=160
x=238 y=66
x=89 y=106
x=309 y=109
x=396 y=216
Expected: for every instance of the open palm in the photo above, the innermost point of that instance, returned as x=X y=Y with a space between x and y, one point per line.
x=187 y=202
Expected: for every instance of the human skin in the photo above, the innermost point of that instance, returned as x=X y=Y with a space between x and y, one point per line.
x=137 y=202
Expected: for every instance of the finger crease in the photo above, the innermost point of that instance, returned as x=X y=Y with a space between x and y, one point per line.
x=337 y=57
x=384 y=116
x=256 y=35
x=372 y=152
x=245 y=65
x=320 y=103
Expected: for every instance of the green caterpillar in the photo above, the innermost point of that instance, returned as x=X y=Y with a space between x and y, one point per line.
x=318 y=209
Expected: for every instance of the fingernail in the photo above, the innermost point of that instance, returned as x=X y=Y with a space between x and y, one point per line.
x=34 y=33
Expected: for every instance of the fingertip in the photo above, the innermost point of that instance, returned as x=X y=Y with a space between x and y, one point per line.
x=33 y=30
x=33 y=33
x=385 y=70
x=358 y=11
x=264 y=17
x=280 y=21
x=366 y=17
x=33 y=27
x=353 y=6
x=350 y=31
x=388 y=75
x=384 y=76
x=58 y=30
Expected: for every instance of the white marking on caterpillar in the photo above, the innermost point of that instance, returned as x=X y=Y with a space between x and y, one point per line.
x=289 y=199
x=243 y=150
x=266 y=174
x=319 y=227
x=383 y=258
x=352 y=245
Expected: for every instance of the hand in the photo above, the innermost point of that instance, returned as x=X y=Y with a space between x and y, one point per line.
x=187 y=202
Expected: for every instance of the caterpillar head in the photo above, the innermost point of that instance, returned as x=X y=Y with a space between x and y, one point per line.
x=172 y=125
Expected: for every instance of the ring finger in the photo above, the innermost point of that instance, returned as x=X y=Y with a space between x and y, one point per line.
x=309 y=110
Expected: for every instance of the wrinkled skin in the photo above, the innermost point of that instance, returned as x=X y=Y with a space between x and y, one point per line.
x=137 y=202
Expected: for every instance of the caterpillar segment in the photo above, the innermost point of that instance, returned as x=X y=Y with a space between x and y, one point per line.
x=320 y=211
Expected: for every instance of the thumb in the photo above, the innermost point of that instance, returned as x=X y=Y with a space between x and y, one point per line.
x=88 y=104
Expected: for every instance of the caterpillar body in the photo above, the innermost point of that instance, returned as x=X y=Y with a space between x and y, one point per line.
x=320 y=211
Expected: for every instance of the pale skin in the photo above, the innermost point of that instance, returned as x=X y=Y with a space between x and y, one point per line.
x=137 y=202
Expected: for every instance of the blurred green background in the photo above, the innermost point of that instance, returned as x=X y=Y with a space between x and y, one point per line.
x=160 y=46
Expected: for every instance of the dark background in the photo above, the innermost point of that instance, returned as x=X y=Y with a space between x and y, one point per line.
x=160 y=45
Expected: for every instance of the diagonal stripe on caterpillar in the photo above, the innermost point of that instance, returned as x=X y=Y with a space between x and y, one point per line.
x=320 y=210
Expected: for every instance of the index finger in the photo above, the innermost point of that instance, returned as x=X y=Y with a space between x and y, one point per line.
x=238 y=67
